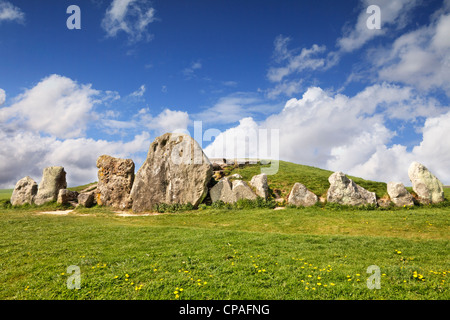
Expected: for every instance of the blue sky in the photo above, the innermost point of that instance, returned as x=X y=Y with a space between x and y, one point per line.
x=342 y=96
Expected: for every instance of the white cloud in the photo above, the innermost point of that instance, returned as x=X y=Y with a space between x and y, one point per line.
x=190 y=71
x=170 y=121
x=394 y=15
x=131 y=17
x=287 y=88
x=234 y=107
x=2 y=96
x=25 y=153
x=231 y=143
x=56 y=105
x=420 y=58
x=9 y=12
x=338 y=132
x=294 y=62
x=391 y=164
x=139 y=92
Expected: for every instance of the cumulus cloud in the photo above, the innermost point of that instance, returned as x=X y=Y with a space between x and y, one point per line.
x=338 y=132
x=46 y=126
x=25 y=153
x=131 y=17
x=167 y=121
x=56 y=105
x=9 y=12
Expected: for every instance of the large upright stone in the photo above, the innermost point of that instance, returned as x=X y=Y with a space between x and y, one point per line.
x=399 y=195
x=259 y=182
x=345 y=191
x=176 y=171
x=53 y=180
x=301 y=196
x=24 y=192
x=115 y=180
x=427 y=187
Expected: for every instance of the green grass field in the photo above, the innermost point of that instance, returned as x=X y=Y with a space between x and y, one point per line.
x=297 y=253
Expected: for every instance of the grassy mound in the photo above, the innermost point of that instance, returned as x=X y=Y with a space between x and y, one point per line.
x=314 y=179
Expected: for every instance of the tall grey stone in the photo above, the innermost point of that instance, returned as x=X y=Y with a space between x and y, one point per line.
x=425 y=184
x=399 y=195
x=345 y=191
x=53 y=180
x=176 y=171
x=115 y=180
x=24 y=191
x=259 y=182
x=301 y=196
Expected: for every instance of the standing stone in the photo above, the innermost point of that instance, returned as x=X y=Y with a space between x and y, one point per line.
x=399 y=195
x=259 y=182
x=53 y=180
x=66 y=196
x=428 y=188
x=176 y=171
x=345 y=191
x=24 y=192
x=115 y=180
x=230 y=192
x=86 y=199
x=222 y=191
x=242 y=190
x=301 y=196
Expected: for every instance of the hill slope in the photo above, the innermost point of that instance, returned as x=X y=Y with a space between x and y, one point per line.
x=314 y=179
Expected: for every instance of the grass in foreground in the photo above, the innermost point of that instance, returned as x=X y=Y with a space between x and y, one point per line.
x=226 y=254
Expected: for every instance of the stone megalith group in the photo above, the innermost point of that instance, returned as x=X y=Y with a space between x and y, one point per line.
x=176 y=171
x=53 y=187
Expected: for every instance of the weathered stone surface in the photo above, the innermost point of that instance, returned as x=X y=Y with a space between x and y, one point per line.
x=66 y=196
x=427 y=187
x=259 y=182
x=86 y=199
x=222 y=190
x=236 y=176
x=242 y=190
x=53 y=180
x=115 y=180
x=301 y=196
x=176 y=171
x=24 y=191
x=399 y=195
x=230 y=192
x=345 y=191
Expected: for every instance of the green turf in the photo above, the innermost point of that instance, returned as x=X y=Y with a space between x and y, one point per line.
x=5 y=194
x=321 y=252
x=226 y=254
x=314 y=179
